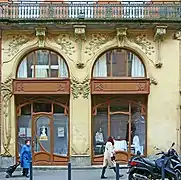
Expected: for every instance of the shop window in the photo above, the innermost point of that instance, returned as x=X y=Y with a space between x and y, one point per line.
x=42 y=64
x=114 y=119
x=118 y=63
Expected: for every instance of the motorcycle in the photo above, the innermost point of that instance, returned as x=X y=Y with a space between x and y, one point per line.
x=143 y=168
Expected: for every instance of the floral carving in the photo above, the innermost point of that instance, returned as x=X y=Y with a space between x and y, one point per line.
x=153 y=81
x=99 y=87
x=80 y=88
x=16 y=42
x=141 y=87
x=96 y=41
x=66 y=44
x=6 y=92
x=145 y=44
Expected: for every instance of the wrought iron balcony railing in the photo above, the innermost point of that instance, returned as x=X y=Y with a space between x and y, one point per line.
x=147 y=10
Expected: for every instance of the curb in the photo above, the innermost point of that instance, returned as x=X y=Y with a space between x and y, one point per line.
x=57 y=168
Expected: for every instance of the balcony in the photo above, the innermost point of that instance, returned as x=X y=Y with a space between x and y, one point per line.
x=90 y=11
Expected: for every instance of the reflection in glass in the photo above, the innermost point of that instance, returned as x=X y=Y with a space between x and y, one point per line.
x=119 y=63
x=60 y=124
x=42 y=139
x=119 y=130
x=100 y=123
x=42 y=107
x=42 y=64
x=139 y=132
x=24 y=130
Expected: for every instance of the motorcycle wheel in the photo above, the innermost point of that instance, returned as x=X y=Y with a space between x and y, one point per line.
x=131 y=177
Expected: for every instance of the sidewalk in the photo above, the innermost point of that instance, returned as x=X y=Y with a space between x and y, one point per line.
x=86 y=174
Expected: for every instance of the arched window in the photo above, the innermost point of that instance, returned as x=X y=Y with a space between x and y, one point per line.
x=119 y=63
x=42 y=64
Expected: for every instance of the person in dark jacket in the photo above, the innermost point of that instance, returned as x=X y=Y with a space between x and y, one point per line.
x=25 y=157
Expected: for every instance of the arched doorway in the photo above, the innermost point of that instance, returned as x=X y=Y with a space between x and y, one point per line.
x=119 y=101
x=41 y=91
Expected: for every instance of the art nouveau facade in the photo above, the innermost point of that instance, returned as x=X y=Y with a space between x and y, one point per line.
x=67 y=88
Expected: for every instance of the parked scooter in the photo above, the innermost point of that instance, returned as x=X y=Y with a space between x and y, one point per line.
x=143 y=168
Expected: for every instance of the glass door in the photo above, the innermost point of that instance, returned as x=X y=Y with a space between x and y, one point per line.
x=42 y=141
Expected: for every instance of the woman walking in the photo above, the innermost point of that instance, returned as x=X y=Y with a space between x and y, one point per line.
x=25 y=157
x=109 y=158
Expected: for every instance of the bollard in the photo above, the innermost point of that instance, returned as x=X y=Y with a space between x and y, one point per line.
x=117 y=171
x=31 y=171
x=69 y=171
x=163 y=169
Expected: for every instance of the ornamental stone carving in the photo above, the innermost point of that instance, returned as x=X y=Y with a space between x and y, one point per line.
x=80 y=88
x=80 y=37
x=96 y=41
x=121 y=36
x=6 y=93
x=160 y=32
x=143 y=42
x=153 y=81
x=15 y=43
x=41 y=34
x=66 y=43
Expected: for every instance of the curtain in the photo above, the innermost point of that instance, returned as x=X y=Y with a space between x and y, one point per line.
x=137 y=68
x=42 y=67
x=100 y=68
x=22 y=71
x=63 y=71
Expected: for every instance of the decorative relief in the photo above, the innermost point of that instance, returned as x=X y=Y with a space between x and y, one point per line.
x=80 y=147
x=99 y=87
x=6 y=93
x=96 y=41
x=141 y=87
x=79 y=32
x=20 y=87
x=61 y=87
x=80 y=88
x=16 y=42
x=160 y=32
x=66 y=44
x=145 y=44
x=121 y=36
x=41 y=34
x=153 y=81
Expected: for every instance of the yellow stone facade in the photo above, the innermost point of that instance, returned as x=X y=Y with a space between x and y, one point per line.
x=162 y=67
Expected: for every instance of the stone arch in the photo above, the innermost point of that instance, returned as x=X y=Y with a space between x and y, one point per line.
x=19 y=57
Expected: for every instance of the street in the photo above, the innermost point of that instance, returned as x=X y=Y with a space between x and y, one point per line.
x=88 y=174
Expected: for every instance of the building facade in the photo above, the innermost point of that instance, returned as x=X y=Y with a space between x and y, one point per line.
x=73 y=74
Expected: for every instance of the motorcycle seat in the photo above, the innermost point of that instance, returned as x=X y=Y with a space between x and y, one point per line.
x=149 y=162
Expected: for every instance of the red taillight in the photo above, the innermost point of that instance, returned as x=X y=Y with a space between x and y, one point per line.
x=133 y=163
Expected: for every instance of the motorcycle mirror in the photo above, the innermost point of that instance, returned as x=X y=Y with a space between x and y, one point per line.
x=173 y=144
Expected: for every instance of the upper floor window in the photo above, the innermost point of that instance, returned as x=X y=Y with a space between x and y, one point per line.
x=42 y=64
x=119 y=63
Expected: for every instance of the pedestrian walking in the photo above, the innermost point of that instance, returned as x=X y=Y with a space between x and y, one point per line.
x=109 y=158
x=26 y=157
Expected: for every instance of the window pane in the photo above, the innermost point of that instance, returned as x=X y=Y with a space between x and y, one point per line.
x=63 y=71
x=119 y=129
x=24 y=130
x=139 y=133
x=42 y=64
x=119 y=63
x=100 y=123
x=136 y=68
x=58 y=109
x=60 y=134
x=54 y=64
x=42 y=107
x=42 y=136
